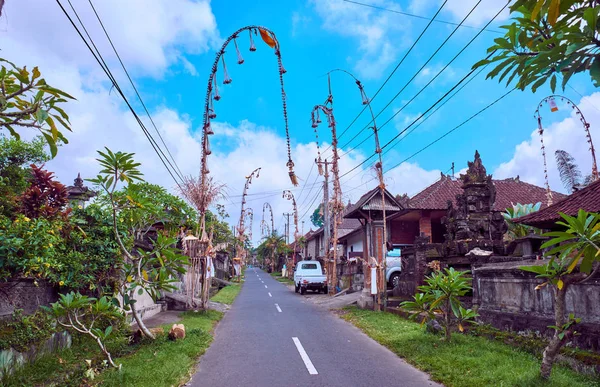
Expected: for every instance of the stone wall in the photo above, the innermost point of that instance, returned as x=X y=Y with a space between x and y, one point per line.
x=506 y=298
x=25 y=294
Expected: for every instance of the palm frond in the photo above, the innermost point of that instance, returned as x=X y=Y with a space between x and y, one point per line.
x=570 y=175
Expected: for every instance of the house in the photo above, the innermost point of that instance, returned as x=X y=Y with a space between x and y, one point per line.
x=424 y=212
x=587 y=198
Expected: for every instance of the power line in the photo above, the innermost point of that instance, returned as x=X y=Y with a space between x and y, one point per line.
x=108 y=73
x=180 y=174
x=421 y=69
x=453 y=129
x=417 y=16
x=393 y=72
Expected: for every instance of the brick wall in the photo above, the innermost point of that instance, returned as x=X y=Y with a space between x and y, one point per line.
x=403 y=232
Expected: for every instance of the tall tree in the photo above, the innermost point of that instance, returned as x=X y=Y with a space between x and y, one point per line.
x=27 y=101
x=548 y=39
x=317 y=217
x=570 y=175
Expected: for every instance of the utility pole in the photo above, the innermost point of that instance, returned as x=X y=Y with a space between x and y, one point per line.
x=326 y=218
x=287 y=227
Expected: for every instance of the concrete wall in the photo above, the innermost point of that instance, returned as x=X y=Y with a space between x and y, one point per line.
x=354 y=243
x=506 y=298
x=25 y=294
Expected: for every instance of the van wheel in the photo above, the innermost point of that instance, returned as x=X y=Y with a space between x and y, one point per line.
x=296 y=288
x=394 y=280
x=302 y=290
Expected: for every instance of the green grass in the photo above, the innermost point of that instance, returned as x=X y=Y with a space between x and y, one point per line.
x=278 y=277
x=466 y=361
x=149 y=363
x=165 y=362
x=227 y=294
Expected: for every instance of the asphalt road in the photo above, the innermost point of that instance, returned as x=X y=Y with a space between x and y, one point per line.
x=282 y=339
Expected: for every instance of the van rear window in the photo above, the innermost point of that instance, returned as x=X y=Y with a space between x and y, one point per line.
x=309 y=266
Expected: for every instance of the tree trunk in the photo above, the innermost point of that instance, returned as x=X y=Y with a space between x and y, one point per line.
x=447 y=320
x=139 y=320
x=555 y=343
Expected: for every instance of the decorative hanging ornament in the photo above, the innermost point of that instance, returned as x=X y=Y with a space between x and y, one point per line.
x=227 y=79
x=320 y=167
x=211 y=110
x=216 y=95
x=252 y=46
x=553 y=106
x=267 y=38
x=318 y=121
x=239 y=54
x=207 y=150
x=208 y=129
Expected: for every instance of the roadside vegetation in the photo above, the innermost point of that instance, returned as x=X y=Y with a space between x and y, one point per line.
x=227 y=295
x=278 y=277
x=467 y=360
x=160 y=362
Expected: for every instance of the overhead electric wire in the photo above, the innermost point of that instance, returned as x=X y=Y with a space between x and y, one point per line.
x=180 y=174
x=108 y=73
x=455 y=128
x=392 y=73
x=416 y=16
x=416 y=74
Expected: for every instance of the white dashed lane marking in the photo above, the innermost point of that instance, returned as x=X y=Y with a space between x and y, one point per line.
x=270 y=294
x=309 y=365
x=278 y=308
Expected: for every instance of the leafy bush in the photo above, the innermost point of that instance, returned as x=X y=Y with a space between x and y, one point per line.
x=440 y=297
x=78 y=253
x=80 y=314
x=516 y=230
x=20 y=332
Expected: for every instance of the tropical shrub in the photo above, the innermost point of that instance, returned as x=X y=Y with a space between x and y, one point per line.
x=20 y=332
x=440 y=296
x=575 y=259
x=516 y=230
x=154 y=267
x=80 y=314
x=44 y=197
x=15 y=158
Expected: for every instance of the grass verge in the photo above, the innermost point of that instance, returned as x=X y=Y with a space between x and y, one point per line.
x=149 y=363
x=227 y=294
x=285 y=280
x=466 y=361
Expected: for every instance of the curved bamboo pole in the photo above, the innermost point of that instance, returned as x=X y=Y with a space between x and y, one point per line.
x=337 y=206
x=241 y=226
x=264 y=227
x=212 y=94
x=287 y=194
x=586 y=128
x=382 y=266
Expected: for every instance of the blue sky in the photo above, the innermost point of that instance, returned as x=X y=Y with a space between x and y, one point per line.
x=169 y=48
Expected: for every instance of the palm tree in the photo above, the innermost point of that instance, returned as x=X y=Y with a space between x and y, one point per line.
x=271 y=247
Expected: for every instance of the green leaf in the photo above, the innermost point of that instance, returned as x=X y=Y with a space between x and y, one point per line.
x=595 y=72
x=553 y=82
x=41 y=115
x=51 y=144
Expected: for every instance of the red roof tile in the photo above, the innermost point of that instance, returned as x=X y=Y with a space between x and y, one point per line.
x=587 y=198
x=508 y=192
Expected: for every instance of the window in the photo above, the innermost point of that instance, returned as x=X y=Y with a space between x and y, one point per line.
x=309 y=266
x=351 y=249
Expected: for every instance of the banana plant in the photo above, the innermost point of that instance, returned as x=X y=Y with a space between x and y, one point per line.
x=518 y=210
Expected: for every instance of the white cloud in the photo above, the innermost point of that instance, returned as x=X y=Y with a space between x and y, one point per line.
x=567 y=135
x=299 y=21
x=428 y=72
x=379 y=33
x=458 y=9
x=150 y=35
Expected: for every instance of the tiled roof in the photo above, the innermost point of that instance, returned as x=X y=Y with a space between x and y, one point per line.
x=508 y=192
x=371 y=201
x=587 y=198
